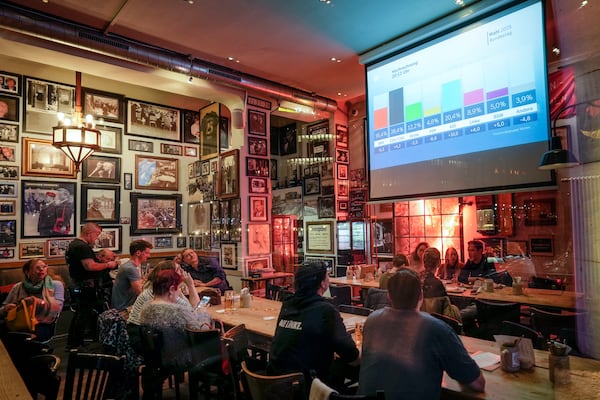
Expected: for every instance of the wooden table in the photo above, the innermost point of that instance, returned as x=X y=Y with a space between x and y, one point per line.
x=249 y=282
x=361 y=283
x=11 y=384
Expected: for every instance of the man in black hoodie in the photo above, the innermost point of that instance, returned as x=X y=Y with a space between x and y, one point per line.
x=310 y=329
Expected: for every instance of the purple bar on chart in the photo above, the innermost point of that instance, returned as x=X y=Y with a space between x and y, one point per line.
x=473 y=97
x=497 y=93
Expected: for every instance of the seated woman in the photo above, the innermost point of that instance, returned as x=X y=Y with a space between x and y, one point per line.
x=206 y=272
x=166 y=315
x=451 y=267
x=38 y=287
x=147 y=295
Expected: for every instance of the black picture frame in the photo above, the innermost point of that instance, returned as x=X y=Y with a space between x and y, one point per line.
x=43 y=100
x=258 y=185
x=111 y=238
x=128 y=181
x=103 y=105
x=11 y=83
x=274 y=166
x=153 y=121
x=257 y=166
x=224 y=136
x=311 y=185
x=46 y=201
x=144 y=209
x=209 y=131
x=9 y=132
x=111 y=138
x=190 y=121
x=11 y=111
x=341 y=156
x=181 y=242
x=101 y=169
x=341 y=136
x=8 y=233
x=100 y=204
x=257 y=146
x=326 y=206
x=140 y=145
x=257 y=123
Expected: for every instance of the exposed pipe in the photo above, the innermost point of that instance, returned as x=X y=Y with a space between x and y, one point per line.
x=45 y=31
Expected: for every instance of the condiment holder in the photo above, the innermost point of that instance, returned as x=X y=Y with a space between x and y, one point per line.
x=558 y=363
x=509 y=356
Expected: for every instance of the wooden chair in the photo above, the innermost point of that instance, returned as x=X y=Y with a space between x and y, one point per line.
x=491 y=314
x=265 y=387
x=340 y=294
x=357 y=310
x=514 y=329
x=376 y=298
x=90 y=376
x=317 y=387
x=207 y=365
x=41 y=376
x=456 y=325
x=556 y=326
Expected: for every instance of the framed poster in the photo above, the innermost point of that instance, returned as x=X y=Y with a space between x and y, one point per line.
x=257 y=166
x=383 y=237
x=258 y=208
x=229 y=179
x=191 y=126
x=9 y=108
x=229 y=255
x=56 y=248
x=9 y=132
x=153 y=121
x=209 y=131
x=156 y=173
x=10 y=83
x=342 y=171
x=40 y=158
x=100 y=203
x=224 y=136
x=8 y=207
x=43 y=101
x=311 y=185
x=32 y=249
x=171 y=149
x=101 y=169
x=198 y=218
x=259 y=239
x=319 y=237
x=48 y=209
x=140 y=145
x=110 y=238
x=155 y=213
x=326 y=207
x=103 y=105
x=341 y=136
x=257 y=146
x=110 y=139
x=341 y=156
x=257 y=123
x=258 y=264
x=8 y=233
x=288 y=140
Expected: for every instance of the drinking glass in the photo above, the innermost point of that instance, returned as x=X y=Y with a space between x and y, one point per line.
x=229 y=294
x=358 y=332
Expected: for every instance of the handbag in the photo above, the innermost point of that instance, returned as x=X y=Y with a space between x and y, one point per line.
x=59 y=224
x=22 y=318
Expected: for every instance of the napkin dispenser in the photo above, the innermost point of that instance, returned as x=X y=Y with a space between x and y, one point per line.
x=245 y=298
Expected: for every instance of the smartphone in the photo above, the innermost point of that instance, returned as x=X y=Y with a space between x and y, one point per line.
x=204 y=302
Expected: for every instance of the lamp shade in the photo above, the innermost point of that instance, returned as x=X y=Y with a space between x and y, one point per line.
x=557 y=157
x=78 y=143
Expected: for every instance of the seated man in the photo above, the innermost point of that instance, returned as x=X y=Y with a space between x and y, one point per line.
x=477 y=265
x=128 y=282
x=310 y=330
x=205 y=271
x=405 y=352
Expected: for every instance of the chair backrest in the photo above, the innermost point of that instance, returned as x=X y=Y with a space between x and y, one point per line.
x=513 y=329
x=555 y=326
x=491 y=314
x=318 y=389
x=89 y=376
x=377 y=298
x=265 y=387
x=546 y=283
x=21 y=346
x=41 y=376
x=344 y=308
x=340 y=294
x=456 y=325
x=205 y=347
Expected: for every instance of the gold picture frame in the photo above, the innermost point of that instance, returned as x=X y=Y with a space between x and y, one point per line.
x=40 y=158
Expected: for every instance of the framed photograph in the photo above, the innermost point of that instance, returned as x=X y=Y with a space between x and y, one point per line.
x=273 y=172
x=288 y=142
x=8 y=189
x=32 y=249
x=9 y=132
x=9 y=172
x=140 y=145
x=342 y=171
x=343 y=189
x=198 y=218
x=311 y=185
x=127 y=181
x=319 y=148
x=224 y=136
x=258 y=185
x=110 y=140
x=40 y=158
x=326 y=206
x=103 y=105
x=100 y=204
x=319 y=237
x=258 y=206
x=163 y=242
x=259 y=239
x=257 y=123
x=541 y=245
x=56 y=248
x=8 y=207
x=229 y=255
x=342 y=206
x=257 y=146
x=101 y=169
x=229 y=174
x=341 y=136
x=191 y=126
x=540 y=212
x=8 y=233
x=155 y=213
x=43 y=101
x=257 y=166
x=9 y=108
x=171 y=149
x=258 y=264
x=7 y=253
x=205 y=168
x=8 y=153
x=10 y=83
x=329 y=263
x=214 y=165
x=383 y=236
x=209 y=131
x=153 y=121
x=156 y=173
x=181 y=242
x=341 y=156
x=48 y=209
x=190 y=151
x=110 y=238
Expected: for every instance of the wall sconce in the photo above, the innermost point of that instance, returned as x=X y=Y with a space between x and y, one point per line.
x=78 y=139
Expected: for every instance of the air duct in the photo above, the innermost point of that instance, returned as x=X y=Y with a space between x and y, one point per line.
x=47 y=32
